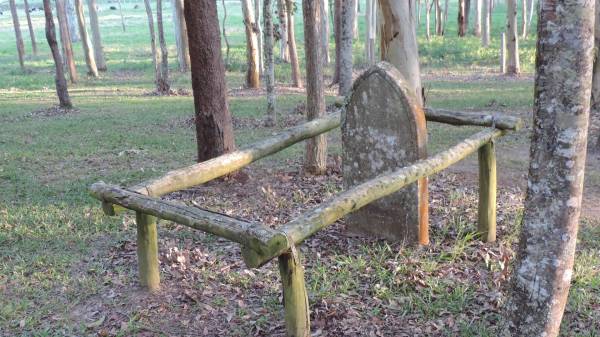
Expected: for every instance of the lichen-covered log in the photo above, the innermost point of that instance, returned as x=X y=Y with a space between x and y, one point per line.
x=295 y=299
x=489 y=119
x=486 y=225
x=246 y=233
x=353 y=199
x=147 y=251
x=544 y=267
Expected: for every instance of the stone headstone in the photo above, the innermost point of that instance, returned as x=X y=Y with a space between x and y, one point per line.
x=384 y=130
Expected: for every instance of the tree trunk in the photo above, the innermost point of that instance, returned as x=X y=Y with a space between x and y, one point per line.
x=595 y=101
x=224 y=34
x=371 y=19
x=259 y=37
x=155 y=61
x=346 y=65
x=181 y=38
x=163 y=86
x=512 y=38
x=399 y=41
x=18 y=35
x=530 y=10
x=337 y=30
x=121 y=13
x=214 y=129
x=60 y=80
x=316 y=148
x=30 y=25
x=325 y=30
x=284 y=51
x=427 y=20
x=445 y=15
x=72 y=21
x=462 y=21
x=252 y=56
x=269 y=63
x=477 y=25
x=485 y=36
x=88 y=50
x=96 y=38
x=544 y=267
x=524 y=24
x=65 y=38
x=355 y=20
x=439 y=20
x=467 y=14
x=295 y=64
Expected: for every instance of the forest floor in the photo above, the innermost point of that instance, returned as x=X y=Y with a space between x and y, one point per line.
x=68 y=270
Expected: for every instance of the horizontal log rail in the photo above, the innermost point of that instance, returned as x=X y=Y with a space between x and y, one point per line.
x=248 y=234
x=486 y=119
x=359 y=196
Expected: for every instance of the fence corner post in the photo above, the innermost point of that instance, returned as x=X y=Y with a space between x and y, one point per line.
x=487 y=193
x=147 y=251
x=295 y=299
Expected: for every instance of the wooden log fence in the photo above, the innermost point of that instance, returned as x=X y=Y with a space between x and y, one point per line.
x=259 y=243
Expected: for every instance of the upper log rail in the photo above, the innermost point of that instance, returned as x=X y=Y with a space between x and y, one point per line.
x=359 y=196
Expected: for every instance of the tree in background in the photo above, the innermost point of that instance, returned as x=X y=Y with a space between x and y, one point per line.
x=325 y=30
x=96 y=38
x=477 y=25
x=165 y=85
x=162 y=83
x=337 y=30
x=462 y=18
x=295 y=64
x=316 y=148
x=214 y=129
x=544 y=267
x=65 y=39
x=61 y=81
x=485 y=34
x=18 y=35
x=284 y=51
x=88 y=50
x=252 y=56
x=181 y=36
x=30 y=25
x=347 y=37
x=72 y=21
x=595 y=101
x=269 y=62
x=512 y=38
x=371 y=23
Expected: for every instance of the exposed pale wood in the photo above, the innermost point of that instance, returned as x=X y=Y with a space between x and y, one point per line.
x=249 y=234
x=65 y=39
x=353 y=199
x=487 y=193
x=295 y=299
x=499 y=121
x=293 y=50
x=88 y=49
x=96 y=37
x=147 y=251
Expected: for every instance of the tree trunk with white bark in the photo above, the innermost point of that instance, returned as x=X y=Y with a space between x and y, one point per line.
x=294 y=63
x=96 y=37
x=269 y=62
x=65 y=38
x=477 y=24
x=252 y=56
x=259 y=36
x=512 y=39
x=181 y=36
x=485 y=35
x=346 y=64
x=72 y=21
x=325 y=30
x=284 y=50
x=88 y=49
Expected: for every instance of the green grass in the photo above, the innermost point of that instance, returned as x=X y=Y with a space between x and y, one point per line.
x=52 y=233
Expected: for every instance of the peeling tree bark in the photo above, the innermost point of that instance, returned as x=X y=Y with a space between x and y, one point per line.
x=252 y=54
x=96 y=38
x=65 y=38
x=544 y=267
x=347 y=37
x=30 y=25
x=60 y=80
x=18 y=35
x=512 y=39
x=88 y=50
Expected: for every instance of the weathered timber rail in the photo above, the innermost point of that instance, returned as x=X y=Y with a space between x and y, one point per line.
x=259 y=243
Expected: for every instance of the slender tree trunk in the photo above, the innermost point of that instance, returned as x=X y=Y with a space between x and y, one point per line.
x=60 y=80
x=121 y=13
x=467 y=14
x=530 y=10
x=65 y=38
x=284 y=51
x=346 y=64
x=181 y=38
x=477 y=25
x=355 y=21
x=427 y=20
x=269 y=64
x=399 y=41
x=252 y=53
x=30 y=25
x=295 y=64
x=325 y=30
x=163 y=87
x=259 y=37
x=96 y=38
x=337 y=29
x=485 y=36
x=18 y=35
x=439 y=20
x=544 y=267
x=224 y=34
x=316 y=148
x=445 y=16
x=371 y=19
x=512 y=39
x=462 y=21
x=72 y=21
x=155 y=61
x=524 y=24
x=214 y=129
x=595 y=101
x=88 y=50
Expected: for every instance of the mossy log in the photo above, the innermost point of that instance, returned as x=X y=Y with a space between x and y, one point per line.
x=353 y=199
x=487 y=193
x=487 y=119
x=147 y=251
x=295 y=298
x=248 y=234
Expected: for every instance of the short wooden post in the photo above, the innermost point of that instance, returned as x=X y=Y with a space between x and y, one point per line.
x=295 y=299
x=503 y=54
x=487 y=192
x=147 y=251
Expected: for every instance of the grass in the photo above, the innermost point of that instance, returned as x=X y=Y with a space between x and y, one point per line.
x=54 y=240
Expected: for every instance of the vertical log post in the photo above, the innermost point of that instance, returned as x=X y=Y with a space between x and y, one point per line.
x=147 y=251
x=295 y=299
x=487 y=192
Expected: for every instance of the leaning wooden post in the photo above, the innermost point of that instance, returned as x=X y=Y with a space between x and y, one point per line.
x=295 y=299
x=147 y=251
x=487 y=192
x=503 y=53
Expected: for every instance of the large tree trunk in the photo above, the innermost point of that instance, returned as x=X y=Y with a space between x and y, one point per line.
x=485 y=36
x=346 y=46
x=462 y=20
x=96 y=38
x=65 y=38
x=399 y=41
x=18 y=35
x=316 y=148
x=595 y=102
x=252 y=56
x=163 y=86
x=512 y=38
x=284 y=51
x=544 y=267
x=295 y=64
x=155 y=60
x=181 y=38
x=88 y=50
x=60 y=80
x=325 y=30
x=72 y=21
x=477 y=25
x=269 y=63
x=214 y=129
x=30 y=25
